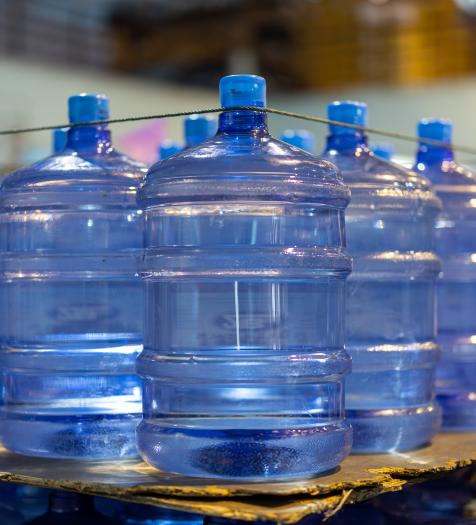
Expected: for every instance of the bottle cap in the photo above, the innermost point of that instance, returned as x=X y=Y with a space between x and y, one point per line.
x=59 y=139
x=87 y=107
x=435 y=129
x=384 y=150
x=301 y=138
x=242 y=90
x=348 y=112
x=168 y=148
x=198 y=128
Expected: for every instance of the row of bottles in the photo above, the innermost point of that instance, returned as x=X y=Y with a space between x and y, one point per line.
x=455 y=245
x=219 y=275
x=27 y=505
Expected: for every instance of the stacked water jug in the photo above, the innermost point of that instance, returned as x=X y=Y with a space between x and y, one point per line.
x=243 y=360
x=71 y=240
x=220 y=278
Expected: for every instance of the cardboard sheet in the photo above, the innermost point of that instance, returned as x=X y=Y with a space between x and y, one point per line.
x=359 y=477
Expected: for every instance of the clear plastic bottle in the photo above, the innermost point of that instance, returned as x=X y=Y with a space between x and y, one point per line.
x=443 y=500
x=30 y=501
x=198 y=128
x=456 y=245
x=72 y=236
x=138 y=514
x=301 y=138
x=390 y=293
x=243 y=360
x=68 y=508
x=9 y=511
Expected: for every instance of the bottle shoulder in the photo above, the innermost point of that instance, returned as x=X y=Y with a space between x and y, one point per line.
x=71 y=170
x=448 y=174
x=370 y=177
x=244 y=164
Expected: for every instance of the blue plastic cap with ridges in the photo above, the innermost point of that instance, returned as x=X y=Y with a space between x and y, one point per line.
x=348 y=112
x=301 y=138
x=87 y=107
x=384 y=150
x=60 y=136
x=435 y=129
x=168 y=148
x=242 y=90
x=198 y=128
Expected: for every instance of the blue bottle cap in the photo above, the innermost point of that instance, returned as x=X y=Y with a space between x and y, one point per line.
x=198 y=128
x=87 y=107
x=242 y=90
x=384 y=150
x=168 y=148
x=348 y=112
x=59 y=139
x=435 y=129
x=301 y=138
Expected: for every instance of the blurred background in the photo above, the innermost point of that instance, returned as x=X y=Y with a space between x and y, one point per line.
x=405 y=58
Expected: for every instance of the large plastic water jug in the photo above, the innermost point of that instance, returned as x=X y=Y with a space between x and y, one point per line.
x=390 y=293
x=245 y=268
x=71 y=233
x=456 y=245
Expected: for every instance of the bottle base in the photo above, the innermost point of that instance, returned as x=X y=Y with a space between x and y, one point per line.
x=393 y=430
x=85 y=437
x=245 y=454
x=459 y=411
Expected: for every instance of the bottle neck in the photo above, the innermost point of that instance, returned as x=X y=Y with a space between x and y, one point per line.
x=427 y=154
x=346 y=142
x=92 y=139
x=246 y=122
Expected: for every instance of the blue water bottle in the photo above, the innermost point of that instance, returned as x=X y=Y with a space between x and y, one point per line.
x=301 y=138
x=168 y=148
x=383 y=150
x=138 y=514
x=456 y=245
x=390 y=294
x=72 y=233
x=60 y=136
x=243 y=362
x=68 y=508
x=198 y=128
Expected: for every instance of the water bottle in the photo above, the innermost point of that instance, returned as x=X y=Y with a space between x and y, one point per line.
x=59 y=139
x=243 y=362
x=72 y=234
x=9 y=512
x=456 y=245
x=390 y=293
x=384 y=150
x=67 y=508
x=442 y=501
x=138 y=514
x=198 y=128
x=168 y=148
x=30 y=501
x=301 y=138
